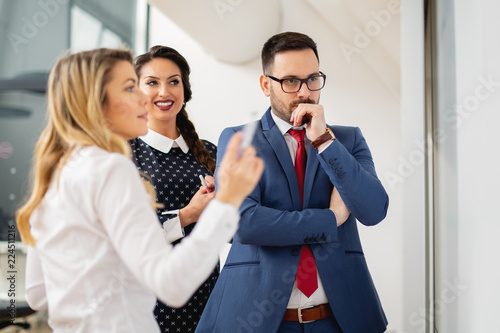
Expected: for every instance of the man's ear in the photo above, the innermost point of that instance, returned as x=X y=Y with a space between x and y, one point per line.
x=265 y=85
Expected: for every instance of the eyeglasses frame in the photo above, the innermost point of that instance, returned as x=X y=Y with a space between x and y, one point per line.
x=302 y=81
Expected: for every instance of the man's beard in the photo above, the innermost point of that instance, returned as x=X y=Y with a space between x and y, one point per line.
x=283 y=111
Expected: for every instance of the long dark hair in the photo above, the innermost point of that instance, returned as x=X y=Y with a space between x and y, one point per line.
x=186 y=127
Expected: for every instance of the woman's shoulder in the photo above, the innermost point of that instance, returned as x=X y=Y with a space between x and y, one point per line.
x=90 y=168
x=137 y=144
x=95 y=159
x=209 y=145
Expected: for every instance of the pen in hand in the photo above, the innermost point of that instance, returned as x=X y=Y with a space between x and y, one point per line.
x=204 y=183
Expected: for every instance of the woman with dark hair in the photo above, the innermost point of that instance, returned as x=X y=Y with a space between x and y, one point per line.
x=174 y=157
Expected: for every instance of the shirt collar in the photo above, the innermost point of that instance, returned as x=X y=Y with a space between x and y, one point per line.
x=164 y=144
x=282 y=125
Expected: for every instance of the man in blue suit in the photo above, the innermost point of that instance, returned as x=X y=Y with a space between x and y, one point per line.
x=296 y=263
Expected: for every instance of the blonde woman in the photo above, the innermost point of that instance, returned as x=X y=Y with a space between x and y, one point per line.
x=97 y=258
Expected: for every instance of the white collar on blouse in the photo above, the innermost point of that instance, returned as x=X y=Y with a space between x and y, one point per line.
x=164 y=144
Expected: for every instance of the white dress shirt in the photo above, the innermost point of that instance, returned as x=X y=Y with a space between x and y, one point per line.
x=100 y=259
x=172 y=226
x=297 y=298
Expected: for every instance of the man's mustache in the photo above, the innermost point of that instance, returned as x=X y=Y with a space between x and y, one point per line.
x=303 y=101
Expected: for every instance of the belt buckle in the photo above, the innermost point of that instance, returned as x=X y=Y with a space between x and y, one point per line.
x=299 y=313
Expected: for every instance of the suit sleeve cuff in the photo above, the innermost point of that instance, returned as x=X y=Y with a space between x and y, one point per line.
x=328 y=145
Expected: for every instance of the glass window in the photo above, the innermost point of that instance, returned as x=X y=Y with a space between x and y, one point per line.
x=33 y=35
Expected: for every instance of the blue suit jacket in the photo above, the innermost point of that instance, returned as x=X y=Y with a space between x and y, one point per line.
x=255 y=284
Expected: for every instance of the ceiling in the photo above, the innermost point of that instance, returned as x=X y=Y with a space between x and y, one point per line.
x=233 y=31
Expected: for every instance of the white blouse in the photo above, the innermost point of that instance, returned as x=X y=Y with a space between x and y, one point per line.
x=100 y=257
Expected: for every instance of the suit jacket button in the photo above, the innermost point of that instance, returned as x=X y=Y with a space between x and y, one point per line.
x=295 y=251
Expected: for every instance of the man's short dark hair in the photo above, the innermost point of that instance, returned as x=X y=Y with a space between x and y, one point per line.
x=285 y=41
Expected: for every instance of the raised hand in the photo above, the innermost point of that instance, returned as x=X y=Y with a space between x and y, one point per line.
x=237 y=176
x=191 y=213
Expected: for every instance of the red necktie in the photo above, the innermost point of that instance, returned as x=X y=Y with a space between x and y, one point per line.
x=307 y=280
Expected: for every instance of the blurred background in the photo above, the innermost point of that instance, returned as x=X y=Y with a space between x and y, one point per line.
x=419 y=77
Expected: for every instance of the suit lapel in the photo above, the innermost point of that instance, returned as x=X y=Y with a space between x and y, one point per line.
x=278 y=144
x=311 y=169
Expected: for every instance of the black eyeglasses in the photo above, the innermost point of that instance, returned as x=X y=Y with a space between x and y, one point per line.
x=292 y=85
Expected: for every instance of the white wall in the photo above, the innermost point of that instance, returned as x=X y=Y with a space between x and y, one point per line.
x=467 y=283
x=357 y=93
x=410 y=175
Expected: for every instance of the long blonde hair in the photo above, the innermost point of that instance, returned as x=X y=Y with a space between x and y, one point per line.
x=76 y=93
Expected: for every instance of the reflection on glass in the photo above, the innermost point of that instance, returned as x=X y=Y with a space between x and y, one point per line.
x=24 y=70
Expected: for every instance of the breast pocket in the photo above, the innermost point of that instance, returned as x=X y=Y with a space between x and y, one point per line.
x=354 y=253
x=230 y=265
